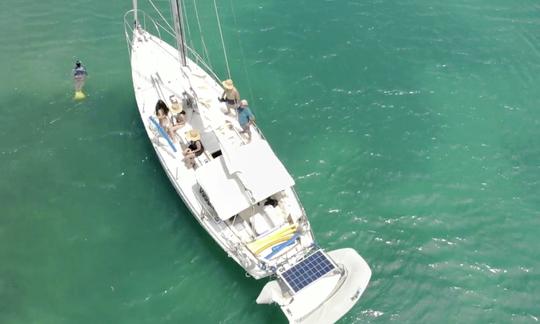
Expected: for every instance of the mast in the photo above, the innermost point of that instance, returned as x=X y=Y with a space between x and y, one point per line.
x=135 y=18
x=180 y=41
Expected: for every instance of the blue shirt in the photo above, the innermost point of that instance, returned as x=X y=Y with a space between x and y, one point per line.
x=244 y=115
x=79 y=71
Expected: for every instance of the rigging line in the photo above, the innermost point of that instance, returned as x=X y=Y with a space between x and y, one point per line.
x=205 y=50
x=242 y=51
x=159 y=13
x=180 y=38
x=178 y=31
x=222 y=40
x=186 y=23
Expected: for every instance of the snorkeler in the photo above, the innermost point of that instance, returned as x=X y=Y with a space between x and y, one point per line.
x=79 y=77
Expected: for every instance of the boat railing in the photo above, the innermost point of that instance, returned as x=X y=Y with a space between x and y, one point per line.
x=258 y=131
x=210 y=214
x=202 y=63
x=148 y=23
x=144 y=21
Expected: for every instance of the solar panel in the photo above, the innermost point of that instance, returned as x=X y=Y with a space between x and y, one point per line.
x=307 y=271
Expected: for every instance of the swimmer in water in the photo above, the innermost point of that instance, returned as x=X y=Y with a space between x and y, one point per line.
x=79 y=77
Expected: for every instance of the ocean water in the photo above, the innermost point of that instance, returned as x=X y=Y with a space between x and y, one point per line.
x=411 y=128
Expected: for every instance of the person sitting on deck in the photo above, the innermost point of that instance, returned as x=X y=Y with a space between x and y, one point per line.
x=270 y=202
x=230 y=95
x=245 y=118
x=162 y=113
x=194 y=149
x=178 y=114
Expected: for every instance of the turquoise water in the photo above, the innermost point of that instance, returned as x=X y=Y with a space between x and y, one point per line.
x=411 y=129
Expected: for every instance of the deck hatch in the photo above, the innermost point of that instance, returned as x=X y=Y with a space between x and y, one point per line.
x=307 y=271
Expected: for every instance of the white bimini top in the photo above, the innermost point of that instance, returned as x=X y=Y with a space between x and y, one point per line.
x=241 y=177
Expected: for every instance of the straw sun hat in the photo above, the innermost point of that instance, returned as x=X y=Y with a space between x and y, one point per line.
x=193 y=135
x=228 y=84
x=176 y=108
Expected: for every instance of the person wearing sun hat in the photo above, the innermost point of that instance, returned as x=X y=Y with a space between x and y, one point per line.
x=79 y=78
x=245 y=117
x=178 y=114
x=194 y=149
x=230 y=95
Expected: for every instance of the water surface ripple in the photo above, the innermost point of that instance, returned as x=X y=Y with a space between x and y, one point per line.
x=411 y=129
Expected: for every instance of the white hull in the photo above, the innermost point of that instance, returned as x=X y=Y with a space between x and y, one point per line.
x=156 y=75
x=240 y=192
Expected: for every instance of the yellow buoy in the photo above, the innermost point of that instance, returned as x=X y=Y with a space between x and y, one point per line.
x=79 y=95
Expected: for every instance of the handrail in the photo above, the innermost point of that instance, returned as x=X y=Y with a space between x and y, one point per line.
x=209 y=213
x=129 y=27
x=206 y=67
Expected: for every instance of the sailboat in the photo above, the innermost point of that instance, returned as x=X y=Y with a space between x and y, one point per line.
x=237 y=189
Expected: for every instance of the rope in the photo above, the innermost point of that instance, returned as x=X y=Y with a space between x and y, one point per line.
x=159 y=13
x=222 y=40
x=186 y=23
x=205 y=50
x=242 y=52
